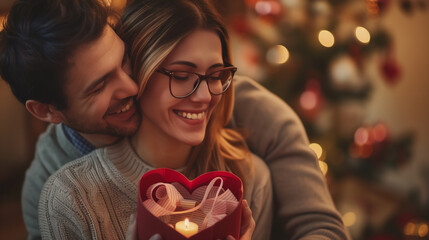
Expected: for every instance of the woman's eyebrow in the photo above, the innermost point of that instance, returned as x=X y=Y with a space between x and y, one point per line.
x=193 y=65
x=190 y=64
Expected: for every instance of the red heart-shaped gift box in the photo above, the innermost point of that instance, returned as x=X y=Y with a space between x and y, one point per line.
x=148 y=224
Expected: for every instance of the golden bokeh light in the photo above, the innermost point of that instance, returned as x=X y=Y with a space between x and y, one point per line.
x=324 y=167
x=326 y=38
x=317 y=149
x=409 y=229
x=349 y=219
x=362 y=34
x=423 y=230
x=277 y=54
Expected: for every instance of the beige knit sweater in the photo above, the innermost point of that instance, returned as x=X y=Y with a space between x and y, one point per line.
x=93 y=197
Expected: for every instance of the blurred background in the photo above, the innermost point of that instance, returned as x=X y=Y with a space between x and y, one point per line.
x=355 y=71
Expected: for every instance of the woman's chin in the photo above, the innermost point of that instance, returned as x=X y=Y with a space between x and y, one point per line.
x=193 y=141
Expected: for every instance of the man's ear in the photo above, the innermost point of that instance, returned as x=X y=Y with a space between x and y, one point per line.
x=43 y=111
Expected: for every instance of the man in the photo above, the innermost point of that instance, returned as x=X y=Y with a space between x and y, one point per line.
x=67 y=65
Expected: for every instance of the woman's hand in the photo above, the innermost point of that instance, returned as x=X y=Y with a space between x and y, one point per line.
x=247 y=223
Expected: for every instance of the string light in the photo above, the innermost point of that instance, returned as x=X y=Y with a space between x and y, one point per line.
x=317 y=149
x=362 y=34
x=423 y=230
x=409 y=229
x=326 y=38
x=308 y=100
x=278 y=54
x=263 y=8
x=361 y=136
x=379 y=132
x=324 y=167
x=349 y=219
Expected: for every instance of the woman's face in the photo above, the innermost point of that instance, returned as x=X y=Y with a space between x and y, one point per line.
x=183 y=119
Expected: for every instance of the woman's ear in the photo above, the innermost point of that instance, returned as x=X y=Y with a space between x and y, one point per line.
x=43 y=111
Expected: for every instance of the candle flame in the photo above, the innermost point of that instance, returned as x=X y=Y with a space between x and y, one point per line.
x=186 y=223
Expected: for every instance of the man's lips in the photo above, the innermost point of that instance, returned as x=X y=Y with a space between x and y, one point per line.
x=124 y=112
x=121 y=108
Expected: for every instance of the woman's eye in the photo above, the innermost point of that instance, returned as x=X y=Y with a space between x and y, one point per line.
x=181 y=75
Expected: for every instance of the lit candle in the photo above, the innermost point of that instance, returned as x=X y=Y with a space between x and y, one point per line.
x=187 y=228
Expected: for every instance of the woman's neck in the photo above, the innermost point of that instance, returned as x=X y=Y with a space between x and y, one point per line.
x=159 y=149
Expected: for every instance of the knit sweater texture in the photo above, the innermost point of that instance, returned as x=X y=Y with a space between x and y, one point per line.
x=304 y=208
x=93 y=197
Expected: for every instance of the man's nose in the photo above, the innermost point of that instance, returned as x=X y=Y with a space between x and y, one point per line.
x=127 y=87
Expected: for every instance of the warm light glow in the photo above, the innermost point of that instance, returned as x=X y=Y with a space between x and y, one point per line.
x=409 y=229
x=361 y=136
x=186 y=228
x=317 y=149
x=263 y=8
x=2 y=19
x=326 y=38
x=379 y=132
x=372 y=7
x=349 y=219
x=362 y=34
x=423 y=230
x=308 y=100
x=324 y=167
x=277 y=54
x=365 y=151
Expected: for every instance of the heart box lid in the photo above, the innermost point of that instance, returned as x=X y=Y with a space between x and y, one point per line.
x=148 y=224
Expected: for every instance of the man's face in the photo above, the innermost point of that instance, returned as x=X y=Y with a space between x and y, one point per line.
x=99 y=91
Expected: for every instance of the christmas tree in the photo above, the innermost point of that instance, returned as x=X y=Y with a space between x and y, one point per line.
x=313 y=54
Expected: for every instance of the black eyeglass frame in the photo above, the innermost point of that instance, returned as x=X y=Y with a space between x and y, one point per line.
x=201 y=78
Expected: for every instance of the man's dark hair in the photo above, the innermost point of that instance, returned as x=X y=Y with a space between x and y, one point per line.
x=38 y=38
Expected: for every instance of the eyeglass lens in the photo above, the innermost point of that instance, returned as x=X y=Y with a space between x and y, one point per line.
x=183 y=83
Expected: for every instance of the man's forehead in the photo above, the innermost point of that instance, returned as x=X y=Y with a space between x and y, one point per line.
x=92 y=60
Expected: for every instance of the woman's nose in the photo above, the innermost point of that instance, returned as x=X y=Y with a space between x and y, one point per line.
x=202 y=94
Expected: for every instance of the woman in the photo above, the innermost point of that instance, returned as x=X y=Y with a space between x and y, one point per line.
x=179 y=51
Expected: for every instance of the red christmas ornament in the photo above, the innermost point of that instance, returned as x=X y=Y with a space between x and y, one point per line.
x=390 y=70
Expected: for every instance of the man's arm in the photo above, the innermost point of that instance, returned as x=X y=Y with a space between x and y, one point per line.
x=53 y=150
x=305 y=208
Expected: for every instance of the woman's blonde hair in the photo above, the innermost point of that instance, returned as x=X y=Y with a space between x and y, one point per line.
x=151 y=29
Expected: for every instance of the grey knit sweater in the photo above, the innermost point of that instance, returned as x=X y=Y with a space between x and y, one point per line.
x=93 y=197
x=304 y=207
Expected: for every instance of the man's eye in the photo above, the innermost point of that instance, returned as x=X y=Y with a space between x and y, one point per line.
x=99 y=87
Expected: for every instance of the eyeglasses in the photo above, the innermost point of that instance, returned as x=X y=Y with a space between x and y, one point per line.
x=183 y=84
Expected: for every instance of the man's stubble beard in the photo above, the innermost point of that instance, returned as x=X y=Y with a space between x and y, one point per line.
x=107 y=129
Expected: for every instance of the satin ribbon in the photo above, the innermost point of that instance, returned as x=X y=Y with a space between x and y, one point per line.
x=215 y=207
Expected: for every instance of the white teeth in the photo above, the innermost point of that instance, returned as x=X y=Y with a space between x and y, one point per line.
x=193 y=116
x=125 y=108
